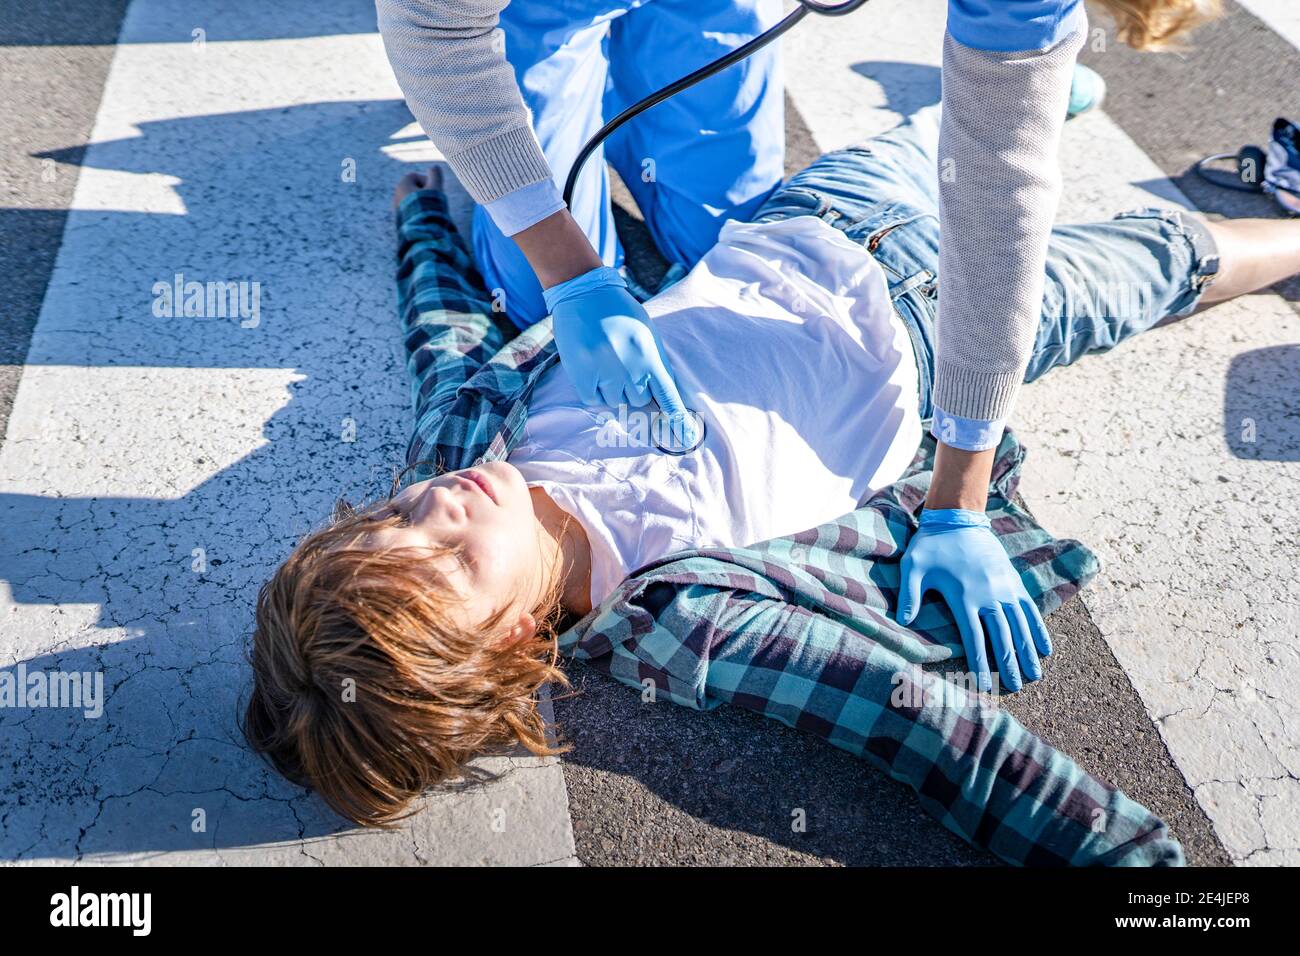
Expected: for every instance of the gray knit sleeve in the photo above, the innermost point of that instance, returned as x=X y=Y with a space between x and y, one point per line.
x=449 y=59
x=999 y=184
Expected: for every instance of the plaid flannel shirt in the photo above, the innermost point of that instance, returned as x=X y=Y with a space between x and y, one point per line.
x=797 y=628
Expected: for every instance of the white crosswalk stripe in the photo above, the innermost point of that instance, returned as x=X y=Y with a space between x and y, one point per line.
x=1282 y=15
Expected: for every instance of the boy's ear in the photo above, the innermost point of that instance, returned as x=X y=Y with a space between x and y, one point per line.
x=524 y=629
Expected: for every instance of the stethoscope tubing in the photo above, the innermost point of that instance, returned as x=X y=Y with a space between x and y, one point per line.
x=1224 y=180
x=703 y=73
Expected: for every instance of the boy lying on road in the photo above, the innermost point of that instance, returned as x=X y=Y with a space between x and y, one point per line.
x=760 y=568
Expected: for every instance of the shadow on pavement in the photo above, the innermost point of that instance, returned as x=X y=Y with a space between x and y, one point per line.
x=1261 y=404
x=68 y=22
x=170 y=582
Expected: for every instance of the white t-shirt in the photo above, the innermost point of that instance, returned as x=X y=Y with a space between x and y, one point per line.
x=784 y=341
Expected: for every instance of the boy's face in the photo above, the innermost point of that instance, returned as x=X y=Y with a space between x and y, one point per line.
x=485 y=511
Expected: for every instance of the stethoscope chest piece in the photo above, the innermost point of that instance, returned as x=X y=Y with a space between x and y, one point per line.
x=1247 y=176
x=677 y=434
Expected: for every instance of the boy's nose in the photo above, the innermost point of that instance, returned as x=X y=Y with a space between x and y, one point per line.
x=447 y=503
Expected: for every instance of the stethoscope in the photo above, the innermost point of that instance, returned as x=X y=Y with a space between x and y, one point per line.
x=684 y=435
x=1246 y=177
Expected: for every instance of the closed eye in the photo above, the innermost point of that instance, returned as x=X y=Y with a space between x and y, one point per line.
x=392 y=510
x=466 y=564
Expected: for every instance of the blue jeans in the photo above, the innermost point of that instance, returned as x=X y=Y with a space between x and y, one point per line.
x=711 y=153
x=1106 y=281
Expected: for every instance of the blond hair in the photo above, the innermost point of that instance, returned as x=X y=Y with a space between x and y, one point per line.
x=426 y=695
x=1158 y=24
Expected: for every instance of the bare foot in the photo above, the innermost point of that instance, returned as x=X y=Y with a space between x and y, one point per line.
x=411 y=182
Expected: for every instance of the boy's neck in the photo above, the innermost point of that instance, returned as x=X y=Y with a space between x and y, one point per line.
x=562 y=535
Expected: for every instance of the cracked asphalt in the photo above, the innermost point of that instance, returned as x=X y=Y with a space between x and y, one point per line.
x=151 y=472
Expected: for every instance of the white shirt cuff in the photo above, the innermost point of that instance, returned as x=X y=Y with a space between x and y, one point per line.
x=526 y=206
x=968 y=434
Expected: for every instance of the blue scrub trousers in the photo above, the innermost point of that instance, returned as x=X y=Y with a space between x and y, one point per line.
x=711 y=153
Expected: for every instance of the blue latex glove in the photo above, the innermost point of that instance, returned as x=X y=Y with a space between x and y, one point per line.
x=607 y=344
x=956 y=553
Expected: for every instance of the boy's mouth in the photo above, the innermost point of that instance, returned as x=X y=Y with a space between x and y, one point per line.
x=484 y=485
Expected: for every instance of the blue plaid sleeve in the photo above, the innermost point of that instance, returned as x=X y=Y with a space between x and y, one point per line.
x=449 y=326
x=974 y=766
